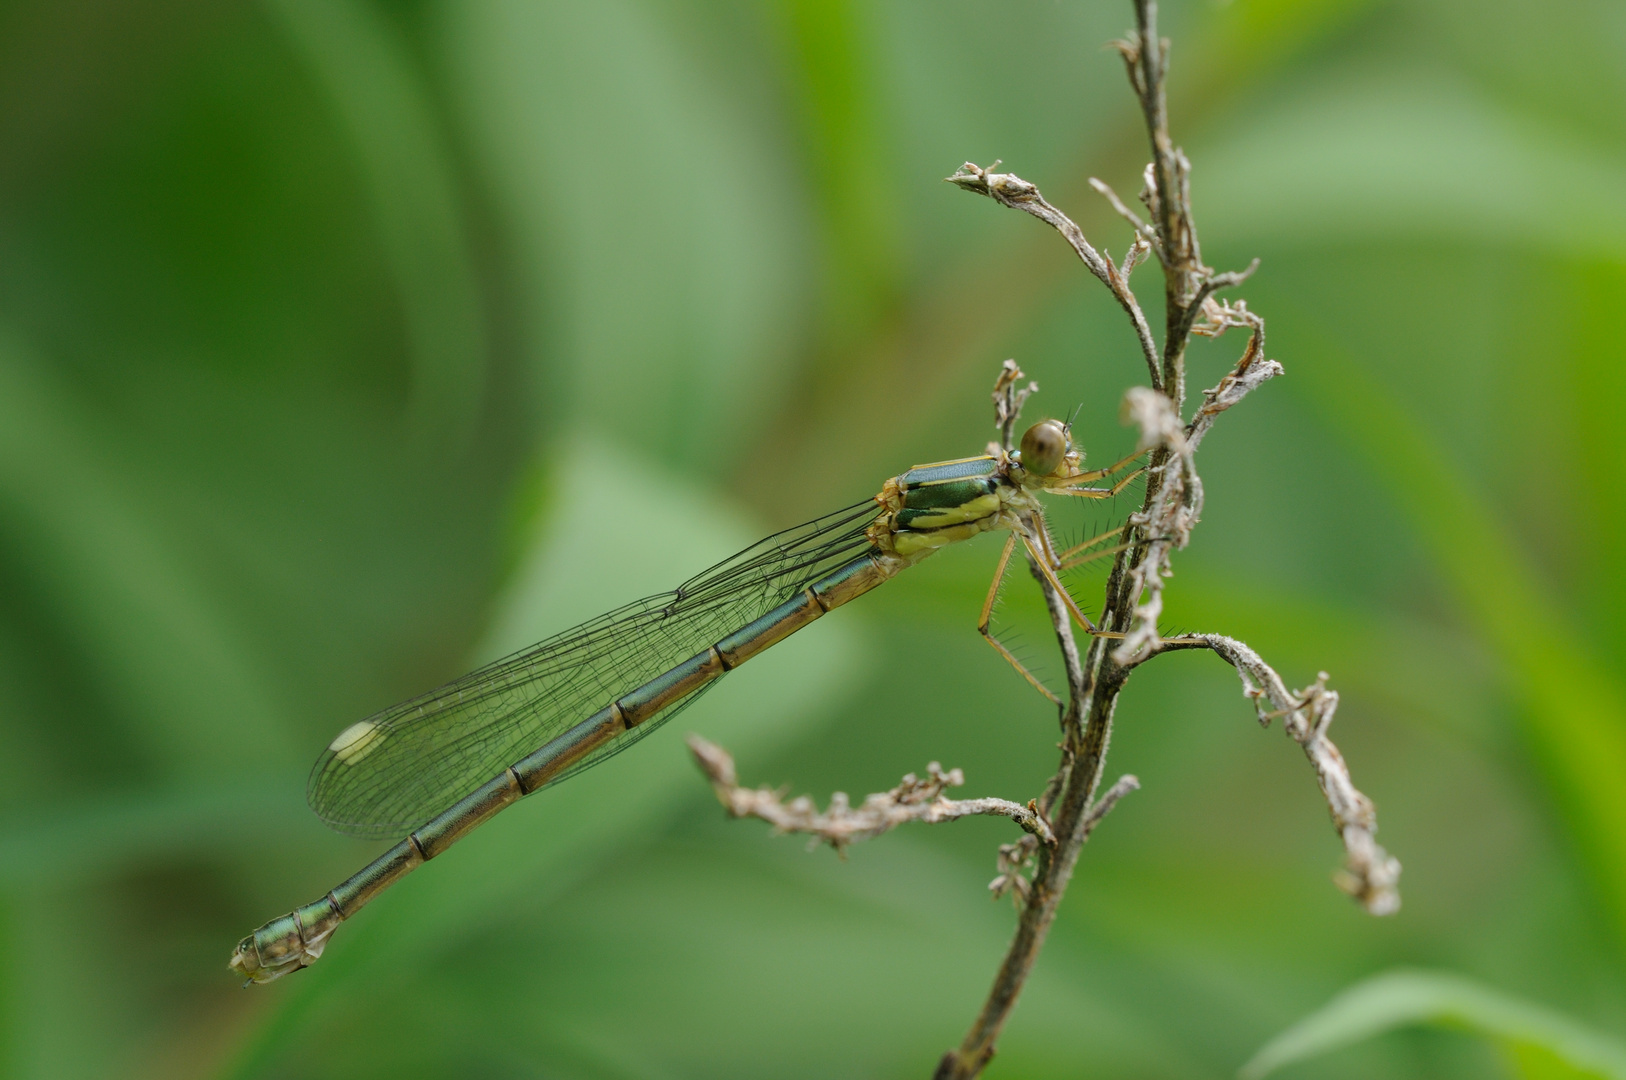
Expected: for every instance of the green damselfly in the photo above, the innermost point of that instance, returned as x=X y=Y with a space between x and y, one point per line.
x=434 y=767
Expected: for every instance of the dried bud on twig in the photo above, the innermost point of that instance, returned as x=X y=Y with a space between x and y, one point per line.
x=1008 y=401
x=1014 y=863
x=1154 y=414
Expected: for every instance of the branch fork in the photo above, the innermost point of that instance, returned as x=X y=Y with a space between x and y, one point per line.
x=1012 y=191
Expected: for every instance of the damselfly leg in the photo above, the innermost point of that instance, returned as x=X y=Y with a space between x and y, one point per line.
x=987 y=616
x=1072 y=556
x=1077 y=555
x=1101 y=474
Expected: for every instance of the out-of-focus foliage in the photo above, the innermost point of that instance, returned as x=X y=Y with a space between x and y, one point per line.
x=1541 y=1042
x=345 y=344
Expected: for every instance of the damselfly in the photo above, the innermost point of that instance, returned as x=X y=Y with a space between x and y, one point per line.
x=436 y=766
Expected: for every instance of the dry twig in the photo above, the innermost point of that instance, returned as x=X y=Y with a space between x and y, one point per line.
x=1035 y=869
x=841 y=824
x=1371 y=875
x=1171 y=508
x=1008 y=401
x=1010 y=190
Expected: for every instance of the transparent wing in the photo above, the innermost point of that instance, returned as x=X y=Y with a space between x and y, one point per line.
x=388 y=774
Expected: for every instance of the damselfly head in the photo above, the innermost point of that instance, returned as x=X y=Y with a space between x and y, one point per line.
x=245 y=959
x=1044 y=447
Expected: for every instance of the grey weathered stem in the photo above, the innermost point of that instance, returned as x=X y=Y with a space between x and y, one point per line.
x=1371 y=875
x=1093 y=688
x=1146 y=57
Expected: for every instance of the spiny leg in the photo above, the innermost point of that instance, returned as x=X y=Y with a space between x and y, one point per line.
x=1043 y=549
x=1055 y=583
x=1064 y=564
x=1095 y=493
x=1065 y=561
x=1083 y=620
x=1091 y=542
x=1068 y=564
x=987 y=615
x=1097 y=474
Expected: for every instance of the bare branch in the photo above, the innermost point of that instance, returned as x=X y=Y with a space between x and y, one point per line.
x=1371 y=875
x=1014 y=860
x=1142 y=230
x=1103 y=806
x=1134 y=257
x=914 y=799
x=1011 y=190
x=1209 y=284
x=1166 y=193
x=1154 y=414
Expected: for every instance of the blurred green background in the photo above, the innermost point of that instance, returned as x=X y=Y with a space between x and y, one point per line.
x=347 y=343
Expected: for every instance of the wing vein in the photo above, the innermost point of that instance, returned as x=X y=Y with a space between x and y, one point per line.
x=400 y=767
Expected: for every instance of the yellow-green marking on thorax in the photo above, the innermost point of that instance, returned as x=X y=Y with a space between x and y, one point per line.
x=946 y=502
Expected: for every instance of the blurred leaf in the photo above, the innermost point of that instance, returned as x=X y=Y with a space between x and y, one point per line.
x=106 y=564
x=1405 y=153
x=98 y=836
x=1532 y=1061
x=830 y=57
x=1594 y=381
x=1403 y=998
x=1574 y=707
x=657 y=239
x=1271 y=33
x=369 y=78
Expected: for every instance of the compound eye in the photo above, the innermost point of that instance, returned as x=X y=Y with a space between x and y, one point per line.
x=245 y=959
x=1043 y=447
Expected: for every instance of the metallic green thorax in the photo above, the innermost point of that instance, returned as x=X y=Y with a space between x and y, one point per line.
x=952 y=487
x=946 y=502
